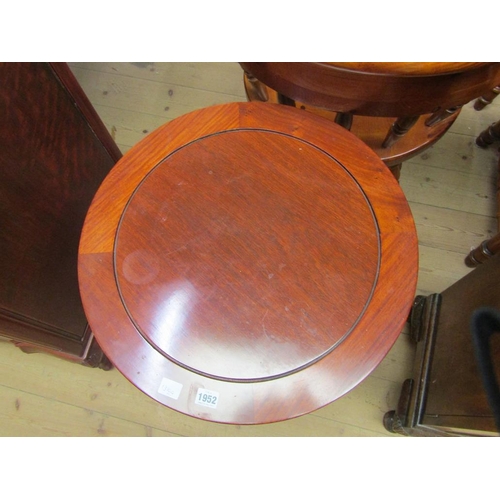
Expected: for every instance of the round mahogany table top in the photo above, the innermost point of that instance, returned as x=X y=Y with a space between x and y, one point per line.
x=248 y=263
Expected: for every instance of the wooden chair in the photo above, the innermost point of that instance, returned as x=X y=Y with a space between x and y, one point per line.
x=398 y=109
x=490 y=247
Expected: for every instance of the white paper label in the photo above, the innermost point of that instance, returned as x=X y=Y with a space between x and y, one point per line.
x=170 y=388
x=208 y=398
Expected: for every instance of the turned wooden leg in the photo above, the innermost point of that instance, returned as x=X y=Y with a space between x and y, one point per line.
x=489 y=136
x=344 y=120
x=398 y=129
x=257 y=90
x=489 y=247
x=483 y=252
x=440 y=115
x=283 y=99
x=486 y=99
x=396 y=170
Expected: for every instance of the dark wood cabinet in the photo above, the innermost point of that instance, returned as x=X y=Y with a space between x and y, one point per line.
x=54 y=153
x=446 y=395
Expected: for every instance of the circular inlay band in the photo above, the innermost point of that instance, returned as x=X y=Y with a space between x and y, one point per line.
x=228 y=258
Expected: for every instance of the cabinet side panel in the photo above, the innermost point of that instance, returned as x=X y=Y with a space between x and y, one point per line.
x=51 y=164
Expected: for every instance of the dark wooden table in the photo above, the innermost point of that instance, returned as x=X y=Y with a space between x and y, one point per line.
x=248 y=263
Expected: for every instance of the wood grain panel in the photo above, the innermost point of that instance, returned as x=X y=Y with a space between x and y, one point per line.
x=55 y=152
x=210 y=196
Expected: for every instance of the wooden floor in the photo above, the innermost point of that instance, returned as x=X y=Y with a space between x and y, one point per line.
x=451 y=190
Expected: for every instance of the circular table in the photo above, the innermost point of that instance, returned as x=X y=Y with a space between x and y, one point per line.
x=248 y=263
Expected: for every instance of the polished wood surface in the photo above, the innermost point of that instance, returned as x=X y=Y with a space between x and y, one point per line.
x=54 y=153
x=398 y=109
x=450 y=189
x=373 y=130
x=242 y=251
x=338 y=87
x=409 y=68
